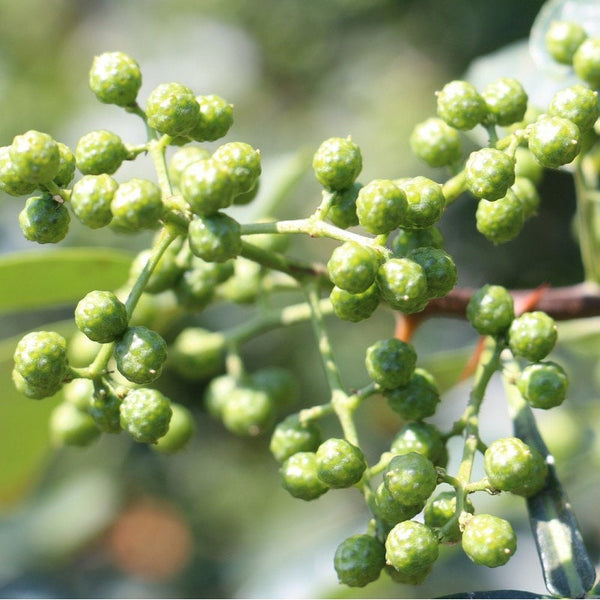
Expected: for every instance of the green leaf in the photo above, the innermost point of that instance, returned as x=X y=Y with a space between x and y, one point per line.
x=446 y=366
x=31 y=280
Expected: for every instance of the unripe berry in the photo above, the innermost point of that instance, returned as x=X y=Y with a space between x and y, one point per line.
x=91 y=198
x=425 y=202
x=216 y=394
x=440 y=270
x=359 y=560
x=390 y=362
x=403 y=285
x=278 y=382
x=502 y=220
x=337 y=163
x=340 y=464
x=422 y=438
x=489 y=173
x=436 y=143
x=532 y=335
x=115 y=78
x=299 y=476
x=354 y=307
x=390 y=511
x=34 y=392
x=440 y=509
x=41 y=358
x=527 y=166
x=99 y=152
x=554 y=141
x=291 y=436
x=410 y=239
x=242 y=163
x=183 y=158
x=197 y=353
x=11 y=181
x=214 y=119
x=488 y=540
x=527 y=193
x=578 y=104
x=506 y=101
x=543 y=384
x=71 y=426
x=181 y=429
x=461 y=105
x=562 y=40
x=248 y=411
x=44 y=220
x=104 y=409
x=35 y=156
x=418 y=399
x=136 y=204
x=410 y=478
x=381 y=206
x=165 y=275
x=586 y=62
x=171 y=108
x=145 y=414
x=491 y=310
x=206 y=186
x=411 y=548
x=342 y=211
x=140 y=354
x=353 y=267
x=195 y=289
x=101 y=316
x=215 y=238
x=66 y=166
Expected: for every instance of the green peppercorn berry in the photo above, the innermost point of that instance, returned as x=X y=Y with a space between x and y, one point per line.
x=66 y=165
x=136 y=204
x=79 y=392
x=171 y=108
x=554 y=141
x=340 y=464
x=243 y=164
x=422 y=438
x=195 y=289
x=41 y=359
x=216 y=394
x=414 y=579
x=489 y=173
x=215 y=238
x=140 y=354
x=292 y=436
x=403 y=285
x=411 y=548
x=248 y=411
x=390 y=362
x=409 y=239
x=101 y=316
x=10 y=179
x=436 y=143
x=390 y=511
x=207 y=187
x=35 y=156
x=342 y=211
x=115 y=78
x=488 y=540
x=91 y=198
x=354 y=307
x=183 y=158
x=278 y=382
x=543 y=384
x=513 y=466
x=562 y=40
x=165 y=274
x=381 y=206
x=440 y=509
x=491 y=310
x=299 y=476
x=145 y=415
x=527 y=166
x=197 y=353
x=418 y=399
x=104 y=408
x=181 y=429
x=532 y=335
x=525 y=190
x=461 y=105
x=578 y=104
x=214 y=120
x=425 y=202
x=586 y=62
x=247 y=197
x=44 y=220
x=71 y=426
x=359 y=560
x=502 y=220
x=440 y=270
x=244 y=285
x=506 y=101
x=34 y=392
x=337 y=163
x=410 y=478
x=99 y=152
x=353 y=266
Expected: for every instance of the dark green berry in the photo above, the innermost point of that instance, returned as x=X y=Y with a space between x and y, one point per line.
x=101 y=316
x=115 y=78
x=34 y=391
x=41 y=358
x=145 y=414
x=358 y=560
x=403 y=285
x=340 y=464
x=217 y=392
x=502 y=220
x=391 y=362
x=440 y=270
x=172 y=108
x=420 y=437
x=489 y=173
x=195 y=289
x=440 y=509
x=337 y=163
x=44 y=220
x=197 y=353
x=411 y=548
x=104 y=408
x=488 y=540
x=91 y=198
x=183 y=158
x=291 y=436
x=35 y=156
x=491 y=310
x=410 y=478
x=425 y=202
x=342 y=211
x=353 y=267
x=66 y=165
x=543 y=384
x=215 y=238
x=554 y=141
x=99 y=152
x=460 y=105
x=278 y=382
x=513 y=466
x=140 y=354
x=436 y=143
x=354 y=307
x=506 y=101
x=389 y=510
x=10 y=180
x=207 y=187
x=214 y=119
x=244 y=285
x=243 y=164
x=578 y=104
x=181 y=429
x=299 y=476
x=381 y=206
x=562 y=40
x=525 y=190
x=248 y=411
x=409 y=239
x=418 y=399
x=136 y=204
x=532 y=335
x=71 y=426
x=586 y=62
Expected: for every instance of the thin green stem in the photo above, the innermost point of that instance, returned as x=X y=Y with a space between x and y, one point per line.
x=157 y=151
x=454 y=187
x=588 y=203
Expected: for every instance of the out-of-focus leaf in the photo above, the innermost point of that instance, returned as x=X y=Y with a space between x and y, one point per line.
x=447 y=366
x=581 y=336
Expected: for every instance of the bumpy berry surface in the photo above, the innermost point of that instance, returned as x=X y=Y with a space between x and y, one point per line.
x=389 y=510
x=403 y=285
x=416 y=400
x=41 y=358
x=291 y=436
x=79 y=392
x=410 y=239
x=410 y=478
x=215 y=238
x=359 y=559
x=381 y=206
x=532 y=335
x=586 y=62
x=172 y=108
x=436 y=143
x=195 y=289
x=299 y=476
x=197 y=353
x=140 y=354
x=460 y=105
x=136 y=204
x=353 y=267
x=440 y=270
x=181 y=429
x=488 y=540
x=491 y=310
x=422 y=438
x=248 y=411
x=101 y=316
x=440 y=509
x=340 y=464
x=115 y=78
x=411 y=548
x=354 y=307
x=207 y=186
x=214 y=119
x=66 y=165
x=35 y=156
x=99 y=152
x=502 y=220
x=506 y=101
x=525 y=190
x=243 y=164
x=145 y=414
x=489 y=173
x=337 y=163
x=578 y=104
x=70 y=426
x=554 y=141
x=34 y=392
x=562 y=40
x=104 y=409
x=43 y=220
x=91 y=198
x=425 y=202
x=183 y=158
x=543 y=384
x=10 y=180
x=390 y=362
x=342 y=212
x=513 y=466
